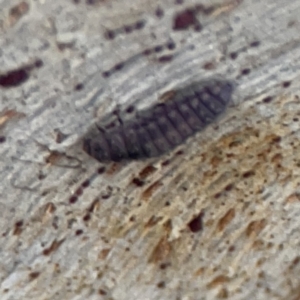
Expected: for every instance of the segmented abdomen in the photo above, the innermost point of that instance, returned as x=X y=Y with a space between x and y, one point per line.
x=162 y=127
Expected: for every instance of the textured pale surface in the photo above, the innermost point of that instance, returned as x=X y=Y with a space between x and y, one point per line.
x=120 y=240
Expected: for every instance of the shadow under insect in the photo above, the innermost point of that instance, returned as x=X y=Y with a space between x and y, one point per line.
x=162 y=127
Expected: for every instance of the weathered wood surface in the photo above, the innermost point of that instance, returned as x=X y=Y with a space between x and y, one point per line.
x=217 y=218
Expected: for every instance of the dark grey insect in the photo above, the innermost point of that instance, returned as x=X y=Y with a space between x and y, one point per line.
x=160 y=128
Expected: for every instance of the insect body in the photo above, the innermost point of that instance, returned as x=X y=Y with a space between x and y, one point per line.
x=160 y=128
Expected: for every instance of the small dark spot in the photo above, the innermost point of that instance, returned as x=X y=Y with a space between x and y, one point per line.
x=171 y=45
x=167 y=203
x=14 y=78
x=248 y=174
x=233 y=55
x=245 y=71
x=277 y=139
x=60 y=137
x=267 y=99
x=130 y=109
x=231 y=248
x=180 y=152
x=78 y=87
x=2 y=139
x=147 y=52
x=295 y=119
x=184 y=19
x=286 y=84
x=128 y=28
x=64 y=46
x=166 y=162
x=38 y=63
x=34 y=275
x=158 y=48
x=138 y=182
x=19 y=224
x=161 y=285
x=79 y=232
x=140 y=24
x=73 y=199
x=106 y=194
x=110 y=34
x=87 y=217
x=79 y=192
x=85 y=184
x=196 y=224
x=163 y=266
x=101 y=170
x=198 y=27
x=132 y=219
x=102 y=292
x=111 y=125
x=255 y=44
x=165 y=58
x=41 y=176
x=229 y=187
x=106 y=74
x=91 y=2
x=118 y=67
x=209 y=66
x=159 y=12
x=178 y=1
x=218 y=195
x=76 y=1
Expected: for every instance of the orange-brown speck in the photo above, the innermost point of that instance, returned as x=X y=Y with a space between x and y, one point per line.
x=94 y=206
x=113 y=169
x=147 y=193
x=147 y=171
x=17 y=11
x=153 y=221
x=226 y=219
x=161 y=251
x=167 y=96
x=293 y=198
x=218 y=281
x=255 y=227
x=9 y=114
x=103 y=253
x=53 y=247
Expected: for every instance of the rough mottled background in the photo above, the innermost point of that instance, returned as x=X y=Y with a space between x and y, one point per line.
x=218 y=218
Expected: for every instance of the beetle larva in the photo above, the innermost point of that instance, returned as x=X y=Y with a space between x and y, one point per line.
x=160 y=128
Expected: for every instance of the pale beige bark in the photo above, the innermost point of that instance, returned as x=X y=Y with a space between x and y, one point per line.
x=130 y=234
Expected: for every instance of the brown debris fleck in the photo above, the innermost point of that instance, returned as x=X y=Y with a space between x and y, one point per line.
x=255 y=227
x=18 y=11
x=7 y=115
x=226 y=219
x=218 y=281
x=18 y=228
x=53 y=247
x=147 y=193
x=34 y=275
x=161 y=251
